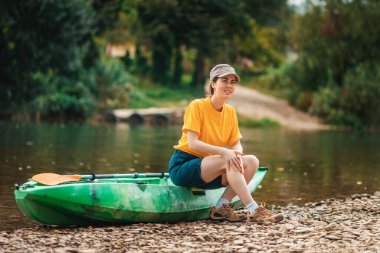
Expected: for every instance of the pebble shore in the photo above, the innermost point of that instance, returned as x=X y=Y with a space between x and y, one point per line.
x=333 y=225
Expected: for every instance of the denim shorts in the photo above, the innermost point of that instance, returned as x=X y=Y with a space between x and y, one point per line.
x=185 y=170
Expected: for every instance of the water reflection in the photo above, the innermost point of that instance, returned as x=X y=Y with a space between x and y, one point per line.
x=309 y=166
x=304 y=166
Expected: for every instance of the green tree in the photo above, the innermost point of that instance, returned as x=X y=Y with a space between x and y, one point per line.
x=46 y=46
x=268 y=13
x=335 y=41
x=202 y=25
x=214 y=26
x=265 y=42
x=211 y=29
x=156 y=21
x=40 y=36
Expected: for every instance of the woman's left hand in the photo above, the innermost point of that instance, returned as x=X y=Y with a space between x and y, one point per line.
x=239 y=160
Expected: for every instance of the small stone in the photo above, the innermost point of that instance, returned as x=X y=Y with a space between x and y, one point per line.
x=200 y=238
x=189 y=244
x=286 y=227
x=350 y=236
x=333 y=237
x=331 y=226
x=228 y=249
x=296 y=250
x=250 y=245
x=238 y=242
x=88 y=250
x=241 y=229
x=354 y=232
x=303 y=230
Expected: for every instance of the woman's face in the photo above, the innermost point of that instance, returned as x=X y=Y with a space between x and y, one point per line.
x=224 y=86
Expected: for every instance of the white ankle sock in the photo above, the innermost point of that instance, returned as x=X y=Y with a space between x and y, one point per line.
x=220 y=202
x=251 y=207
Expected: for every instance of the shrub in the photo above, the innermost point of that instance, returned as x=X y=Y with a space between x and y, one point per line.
x=259 y=123
x=355 y=103
x=360 y=93
x=62 y=97
x=113 y=84
x=325 y=100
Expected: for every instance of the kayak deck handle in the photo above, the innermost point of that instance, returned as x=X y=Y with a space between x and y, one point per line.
x=198 y=191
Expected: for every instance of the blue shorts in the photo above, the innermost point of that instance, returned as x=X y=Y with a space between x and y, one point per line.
x=185 y=170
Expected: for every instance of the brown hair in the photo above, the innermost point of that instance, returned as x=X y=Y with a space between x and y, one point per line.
x=211 y=88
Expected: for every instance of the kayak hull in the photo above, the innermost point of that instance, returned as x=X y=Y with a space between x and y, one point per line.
x=119 y=201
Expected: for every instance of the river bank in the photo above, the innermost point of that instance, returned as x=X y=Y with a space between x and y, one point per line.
x=333 y=225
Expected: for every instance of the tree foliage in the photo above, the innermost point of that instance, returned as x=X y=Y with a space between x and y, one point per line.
x=212 y=29
x=46 y=46
x=49 y=49
x=338 y=44
x=40 y=36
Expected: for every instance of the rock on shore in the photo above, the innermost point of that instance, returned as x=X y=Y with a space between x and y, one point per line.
x=333 y=225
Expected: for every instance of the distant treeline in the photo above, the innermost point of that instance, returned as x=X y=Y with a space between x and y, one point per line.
x=53 y=62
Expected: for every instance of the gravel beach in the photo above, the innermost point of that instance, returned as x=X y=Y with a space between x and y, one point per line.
x=333 y=225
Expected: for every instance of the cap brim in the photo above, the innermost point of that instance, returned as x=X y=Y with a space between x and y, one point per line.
x=229 y=73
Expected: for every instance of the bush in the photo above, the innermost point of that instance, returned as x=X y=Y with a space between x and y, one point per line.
x=259 y=123
x=360 y=93
x=355 y=103
x=39 y=36
x=113 y=84
x=105 y=86
x=62 y=97
x=295 y=84
x=325 y=101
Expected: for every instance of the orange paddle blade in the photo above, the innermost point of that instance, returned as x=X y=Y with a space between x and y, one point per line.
x=54 y=179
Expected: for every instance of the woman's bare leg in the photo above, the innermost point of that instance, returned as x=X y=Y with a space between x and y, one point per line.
x=214 y=166
x=251 y=164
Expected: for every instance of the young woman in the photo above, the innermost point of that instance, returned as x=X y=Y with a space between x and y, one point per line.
x=201 y=157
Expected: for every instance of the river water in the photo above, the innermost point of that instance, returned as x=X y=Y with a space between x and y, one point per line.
x=303 y=166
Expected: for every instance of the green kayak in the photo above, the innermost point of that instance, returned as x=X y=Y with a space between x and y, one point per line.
x=119 y=200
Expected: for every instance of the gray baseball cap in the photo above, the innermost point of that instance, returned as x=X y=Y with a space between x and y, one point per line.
x=221 y=70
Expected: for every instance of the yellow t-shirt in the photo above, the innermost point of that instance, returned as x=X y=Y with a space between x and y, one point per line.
x=213 y=127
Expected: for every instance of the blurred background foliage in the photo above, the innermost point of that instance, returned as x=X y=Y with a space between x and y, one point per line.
x=56 y=56
x=336 y=73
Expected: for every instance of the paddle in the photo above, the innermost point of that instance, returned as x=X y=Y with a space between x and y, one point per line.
x=55 y=179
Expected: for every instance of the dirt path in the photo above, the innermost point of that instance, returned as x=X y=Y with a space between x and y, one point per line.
x=254 y=105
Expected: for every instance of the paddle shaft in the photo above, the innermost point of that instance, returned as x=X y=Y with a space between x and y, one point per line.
x=132 y=175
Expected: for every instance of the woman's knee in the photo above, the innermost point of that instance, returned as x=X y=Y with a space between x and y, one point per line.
x=251 y=162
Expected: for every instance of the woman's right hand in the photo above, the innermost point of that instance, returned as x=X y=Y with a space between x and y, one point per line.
x=232 y=160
